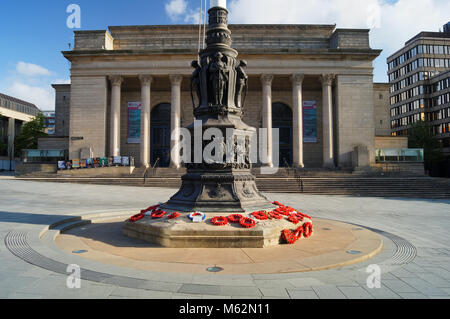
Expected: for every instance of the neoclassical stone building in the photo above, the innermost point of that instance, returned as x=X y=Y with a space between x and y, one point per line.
x=130 y=87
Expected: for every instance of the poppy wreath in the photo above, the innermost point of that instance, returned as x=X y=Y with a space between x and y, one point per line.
x=247 y=222
x=275 y=215
x=219 y=221
x=289 y=236
x=174 y=215
x=235 y=218
x=299 y=232
x=282 y=211
x=307 y=230
x=137 y=217
x=158 y=214
x=260 y=215
x=293 y=219
x=277 y=203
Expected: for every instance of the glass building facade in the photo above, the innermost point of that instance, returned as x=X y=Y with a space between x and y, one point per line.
x=419 y=75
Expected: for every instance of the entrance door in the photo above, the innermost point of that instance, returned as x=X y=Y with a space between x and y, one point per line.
x=160 y=135
x=282 y=120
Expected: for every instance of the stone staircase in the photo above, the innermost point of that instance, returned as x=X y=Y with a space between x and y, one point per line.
x=320 y=182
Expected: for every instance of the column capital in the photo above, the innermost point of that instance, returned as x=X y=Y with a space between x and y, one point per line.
x=176 y=79
x=266 y=79
x=327 y=79
x=116 y=80
x=297 y=79
x=145 y=79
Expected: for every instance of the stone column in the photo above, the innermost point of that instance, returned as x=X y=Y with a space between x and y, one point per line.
x=266 y=81
x=146 y=81
x=116 y=84
x=175 y=118
x=297 y=105
x=327 y=106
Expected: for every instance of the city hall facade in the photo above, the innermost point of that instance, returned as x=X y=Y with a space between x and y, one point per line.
x=131 y=87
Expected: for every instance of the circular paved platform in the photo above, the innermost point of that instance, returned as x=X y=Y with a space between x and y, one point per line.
x=334 y=244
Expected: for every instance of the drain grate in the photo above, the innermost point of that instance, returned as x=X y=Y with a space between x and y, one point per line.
x=405 y=252
x=353 y=252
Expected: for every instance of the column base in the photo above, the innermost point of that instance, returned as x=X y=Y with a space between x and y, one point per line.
x=329 y=164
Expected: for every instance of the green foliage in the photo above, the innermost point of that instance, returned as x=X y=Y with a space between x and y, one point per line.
x=28 y=137
x=420 y=135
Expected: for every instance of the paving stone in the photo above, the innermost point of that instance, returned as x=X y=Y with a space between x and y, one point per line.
x=140 y=294
x=424 y=287
x=399 y=286
x=240 y=291
x=382 y=293
x=274 y=292
x=412 y=295
x=355 y=292
x=305 y=282
x=302 y=294
x=328 y=292
x=200 y=289
x=434 y=280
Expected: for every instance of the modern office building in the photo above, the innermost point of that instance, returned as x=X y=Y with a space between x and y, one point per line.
x=419 y=79
x=49 y=122
x=13 y=113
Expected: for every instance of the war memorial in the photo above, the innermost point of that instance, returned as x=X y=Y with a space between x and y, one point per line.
x=255 y=97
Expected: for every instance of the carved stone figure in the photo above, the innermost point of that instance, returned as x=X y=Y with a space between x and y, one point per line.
x=218 y=77
x=195 y=82
x=241 y=84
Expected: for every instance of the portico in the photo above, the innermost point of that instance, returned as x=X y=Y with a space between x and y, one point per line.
x=324 y=86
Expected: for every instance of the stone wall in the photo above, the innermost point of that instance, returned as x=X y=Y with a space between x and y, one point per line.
x=382 y=117
x=354 y=113
x=62 y=109
x=88 y=103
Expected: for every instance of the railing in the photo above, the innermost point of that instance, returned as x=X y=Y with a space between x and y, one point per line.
x=399 y=155
x=292 y=171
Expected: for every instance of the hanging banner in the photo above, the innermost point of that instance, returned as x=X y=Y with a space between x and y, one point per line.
x=134 y=123
x=309 y=121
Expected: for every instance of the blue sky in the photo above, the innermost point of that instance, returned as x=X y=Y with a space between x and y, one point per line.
x=33 y=33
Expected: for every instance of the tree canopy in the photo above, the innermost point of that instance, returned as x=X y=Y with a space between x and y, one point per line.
x=28 y=137
x=420 y=135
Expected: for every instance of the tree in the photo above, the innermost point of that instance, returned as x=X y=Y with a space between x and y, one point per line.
x=28 y=137
x=420 y=135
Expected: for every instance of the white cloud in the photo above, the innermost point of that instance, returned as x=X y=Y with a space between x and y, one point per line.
x=29 y=69
x=176 y=8
x=42 y=97
x=395 y=21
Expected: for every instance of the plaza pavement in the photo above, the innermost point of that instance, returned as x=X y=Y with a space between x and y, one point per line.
x=30 y=206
